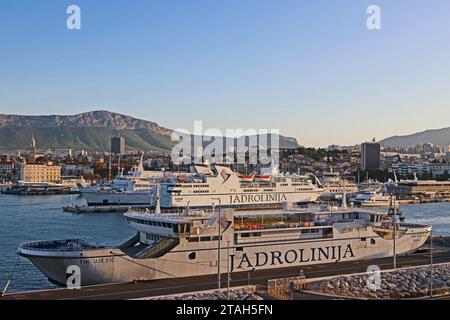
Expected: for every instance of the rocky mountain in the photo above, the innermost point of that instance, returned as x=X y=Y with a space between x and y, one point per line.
x=89 y=131
x=440 y=137
x=94 y=119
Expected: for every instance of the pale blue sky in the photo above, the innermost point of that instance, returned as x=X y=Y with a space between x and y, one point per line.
x=307 y=67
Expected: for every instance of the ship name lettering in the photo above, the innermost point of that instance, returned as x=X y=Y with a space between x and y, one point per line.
x=255 y=198
x=292 y=256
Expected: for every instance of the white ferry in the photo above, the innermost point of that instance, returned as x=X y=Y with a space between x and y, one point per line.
x=134 y=188
x=187 y=243
x=335 y=186
x=373 y=199
x=217 y=185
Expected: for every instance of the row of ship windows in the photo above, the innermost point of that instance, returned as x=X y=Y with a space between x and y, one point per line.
x=325 y=233
x=201 y=191
x=204 y=239
x=182 y=228
x=192 y=186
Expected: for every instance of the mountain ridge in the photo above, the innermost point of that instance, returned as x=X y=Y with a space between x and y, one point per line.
x=89 y=131
x=439 y=137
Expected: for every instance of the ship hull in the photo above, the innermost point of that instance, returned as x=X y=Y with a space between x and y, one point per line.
x=112 y=265
x=238 y=200
x=104 y=198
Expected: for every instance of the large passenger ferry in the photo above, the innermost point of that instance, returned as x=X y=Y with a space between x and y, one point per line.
x=217 y=185
x=193 y=242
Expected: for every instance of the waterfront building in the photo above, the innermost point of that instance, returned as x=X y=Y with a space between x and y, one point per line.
x=438 y=169
x=77 y=170
x=370 y=155
x=7 y=170
x=118 y=145
x=404 y=170
x=38 y=172
x=425 y=188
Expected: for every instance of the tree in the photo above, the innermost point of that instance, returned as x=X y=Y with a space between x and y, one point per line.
x=444 y=177
x=426 y=176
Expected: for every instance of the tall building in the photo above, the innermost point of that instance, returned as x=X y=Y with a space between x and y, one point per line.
x=118 y=145
x=370 y=155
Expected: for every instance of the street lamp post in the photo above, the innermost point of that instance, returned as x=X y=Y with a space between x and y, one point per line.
x=228 y=270
x=393 y=212
x=218 y=242
x=431 y=264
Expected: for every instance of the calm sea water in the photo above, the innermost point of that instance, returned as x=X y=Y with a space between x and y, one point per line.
x=41 y=218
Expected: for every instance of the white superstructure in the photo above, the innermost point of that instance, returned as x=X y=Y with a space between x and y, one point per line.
x=217 y=185
x=335 y=186
x=134 y=188
x=373 y=199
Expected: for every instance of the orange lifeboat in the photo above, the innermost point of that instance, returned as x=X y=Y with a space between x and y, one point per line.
x=246 y=178
x=263 y=178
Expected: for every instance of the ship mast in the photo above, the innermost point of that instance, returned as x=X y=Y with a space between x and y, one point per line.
x=157 y=204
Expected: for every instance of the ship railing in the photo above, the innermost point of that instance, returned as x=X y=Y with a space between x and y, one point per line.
x=58 y=245
x=178 y=211
x=414 y=225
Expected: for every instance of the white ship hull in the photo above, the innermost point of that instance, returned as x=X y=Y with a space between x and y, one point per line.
x=107 y=198
x=112 y=265
x=238 y=199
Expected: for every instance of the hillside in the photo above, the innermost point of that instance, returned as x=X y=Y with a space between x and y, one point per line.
x=89 y=131
x=440 y=137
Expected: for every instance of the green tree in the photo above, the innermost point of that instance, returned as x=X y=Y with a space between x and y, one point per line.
x=444 y=177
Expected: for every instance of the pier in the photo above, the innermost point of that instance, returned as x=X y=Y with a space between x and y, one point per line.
x=139 y=290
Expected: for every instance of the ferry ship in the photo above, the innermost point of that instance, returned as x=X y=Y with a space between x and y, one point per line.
x=217 y=185
x=373 y=199
x=335 y=186
x=193 y=242
x=134 y=188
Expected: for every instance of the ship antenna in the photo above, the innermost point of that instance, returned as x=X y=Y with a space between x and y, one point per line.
x=118 y=167
x=158 y=205
x=344 y=195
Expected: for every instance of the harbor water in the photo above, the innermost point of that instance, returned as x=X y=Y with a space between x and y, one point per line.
x=31 y=218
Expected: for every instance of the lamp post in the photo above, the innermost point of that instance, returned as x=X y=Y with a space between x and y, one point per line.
x=393 y=212
x=431 y=264
x=218 y=242
x=228 y=270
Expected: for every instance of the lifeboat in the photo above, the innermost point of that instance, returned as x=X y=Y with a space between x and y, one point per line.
x=263 y=178
x=246 y=178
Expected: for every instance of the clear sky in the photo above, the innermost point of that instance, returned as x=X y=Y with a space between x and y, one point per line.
x=310 y=68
